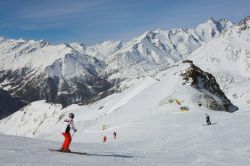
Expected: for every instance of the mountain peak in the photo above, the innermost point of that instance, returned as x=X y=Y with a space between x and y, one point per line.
x=245 y=23
x=212 y=20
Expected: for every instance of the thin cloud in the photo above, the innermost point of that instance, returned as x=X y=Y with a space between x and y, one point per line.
x=59 y=11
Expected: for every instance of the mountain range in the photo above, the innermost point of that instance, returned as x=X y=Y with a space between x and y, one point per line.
x=76 y=73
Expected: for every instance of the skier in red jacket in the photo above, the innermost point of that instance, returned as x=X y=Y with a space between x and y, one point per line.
x=68 y=124
x=104 y=139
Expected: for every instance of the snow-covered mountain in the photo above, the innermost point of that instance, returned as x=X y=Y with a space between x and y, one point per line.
x=103 y=50
x=159 y=48
x=36 y=70
x=77 y=73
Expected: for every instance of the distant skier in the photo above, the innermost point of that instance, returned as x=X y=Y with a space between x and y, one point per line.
x=104 y=139
x=114 y=134
x=208 y=119
x=68 y=124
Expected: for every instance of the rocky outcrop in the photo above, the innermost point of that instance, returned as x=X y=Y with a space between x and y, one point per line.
x=211 y=95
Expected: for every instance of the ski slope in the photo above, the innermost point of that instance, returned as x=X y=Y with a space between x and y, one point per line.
x=181 y=140
x=151 y=128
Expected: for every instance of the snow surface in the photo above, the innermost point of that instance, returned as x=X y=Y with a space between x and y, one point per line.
x=166 y=138
x=151 y=130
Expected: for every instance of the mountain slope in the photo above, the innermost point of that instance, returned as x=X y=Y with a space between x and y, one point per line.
x=9 y=104
x=34 y=70
x=228 y=59
x=157 y=49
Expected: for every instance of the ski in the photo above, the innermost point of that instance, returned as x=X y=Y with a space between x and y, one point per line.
x=58 y=150
x=93 y=154
x=210 y=124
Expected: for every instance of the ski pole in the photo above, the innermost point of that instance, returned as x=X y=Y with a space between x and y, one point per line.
x=73 y=134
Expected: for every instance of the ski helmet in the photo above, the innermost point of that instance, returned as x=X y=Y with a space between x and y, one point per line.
x=71 y=115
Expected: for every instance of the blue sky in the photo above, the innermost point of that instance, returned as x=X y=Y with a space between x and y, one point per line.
x=92 y=21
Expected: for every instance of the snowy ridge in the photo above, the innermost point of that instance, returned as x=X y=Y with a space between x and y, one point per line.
x=103 y=50
x=154 y=49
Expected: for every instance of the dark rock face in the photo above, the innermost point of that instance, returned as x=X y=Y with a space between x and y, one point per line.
x=30 y=86
x=9 y=104
x=85 y=91
x=206 y=83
